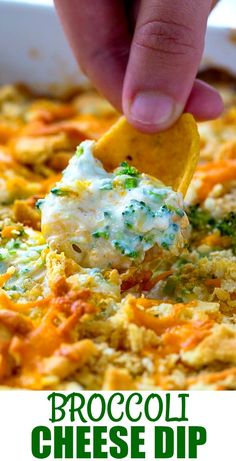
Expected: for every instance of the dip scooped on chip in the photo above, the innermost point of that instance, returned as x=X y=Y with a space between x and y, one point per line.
x=116 y=219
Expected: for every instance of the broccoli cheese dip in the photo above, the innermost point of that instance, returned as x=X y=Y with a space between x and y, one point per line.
x=22 y=255
x=107 y=220
x=167 y=323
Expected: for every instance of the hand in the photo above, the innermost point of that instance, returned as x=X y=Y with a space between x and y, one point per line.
x=143 y=56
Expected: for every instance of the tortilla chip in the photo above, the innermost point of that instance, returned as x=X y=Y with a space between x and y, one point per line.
x=170 y=156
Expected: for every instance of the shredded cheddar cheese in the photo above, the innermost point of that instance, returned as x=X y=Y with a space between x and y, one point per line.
x=165 y=323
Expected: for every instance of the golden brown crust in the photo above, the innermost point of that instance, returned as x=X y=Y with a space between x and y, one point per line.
x=169 y=324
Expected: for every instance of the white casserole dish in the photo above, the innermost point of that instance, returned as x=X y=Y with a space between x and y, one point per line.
x=33 y=49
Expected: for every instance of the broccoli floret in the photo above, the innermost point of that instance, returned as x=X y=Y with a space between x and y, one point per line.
x=79 y=151
x=130 y=183
x=119 y=245
x=199 y=218
x=39 y=203
x=102 y=233
x=227 y=225
x=58 y=191
x=125 y=168
x=202 y=220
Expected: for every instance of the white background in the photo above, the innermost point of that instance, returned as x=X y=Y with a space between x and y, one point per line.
x=21 y=411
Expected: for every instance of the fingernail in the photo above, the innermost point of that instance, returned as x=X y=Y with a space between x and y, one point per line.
x=154 y=108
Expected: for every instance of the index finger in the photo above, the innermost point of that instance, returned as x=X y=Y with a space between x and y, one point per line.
x=99 y=36
x=164 y=58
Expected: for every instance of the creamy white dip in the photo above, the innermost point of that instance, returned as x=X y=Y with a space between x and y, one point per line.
x=107 y=220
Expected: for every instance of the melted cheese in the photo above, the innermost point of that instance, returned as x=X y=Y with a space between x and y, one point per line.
x=107 y=220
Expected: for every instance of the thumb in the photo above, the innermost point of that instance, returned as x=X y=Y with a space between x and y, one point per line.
x=164 y=58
